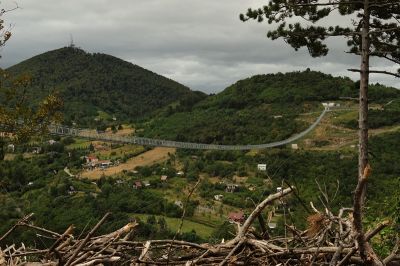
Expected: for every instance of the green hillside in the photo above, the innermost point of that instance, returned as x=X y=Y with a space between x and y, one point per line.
x=259 y=109
x=93 y=83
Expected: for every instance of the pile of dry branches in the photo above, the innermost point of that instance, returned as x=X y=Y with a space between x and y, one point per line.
x=329 y=240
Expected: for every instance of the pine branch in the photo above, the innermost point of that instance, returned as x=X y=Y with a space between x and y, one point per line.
x=376 y=72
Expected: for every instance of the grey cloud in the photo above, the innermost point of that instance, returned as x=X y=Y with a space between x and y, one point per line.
x=200 y=43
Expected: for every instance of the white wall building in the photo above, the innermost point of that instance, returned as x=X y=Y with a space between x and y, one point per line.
x=262 y=167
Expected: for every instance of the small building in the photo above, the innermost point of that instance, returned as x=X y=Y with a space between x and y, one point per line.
x=179 y=203
x=71 y=190
x=137 y=184
x=180 y=173
x=104 y=164
x=277 y=116
x=30 y=183
x=272 y=225
x=146 y=183
x=164 y=178
x=325 y=104
x=11 y=147
x=218 y=197
x=331 y=104
x=36 y=150
x=236 y=217
x=252 y=188
x=295 y=146
x=120 y=182
x=91 y=159
x=262 y=167
x=52 y=142
x=231 y=188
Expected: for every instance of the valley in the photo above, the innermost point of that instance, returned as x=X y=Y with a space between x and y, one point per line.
x=73 y=180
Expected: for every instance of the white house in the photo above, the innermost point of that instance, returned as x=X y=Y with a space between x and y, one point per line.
x=218 y=197
x=262 y=167
x=11 y=147
x=179 y=203
x=295 y=146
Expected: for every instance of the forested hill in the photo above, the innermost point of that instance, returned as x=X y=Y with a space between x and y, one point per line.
x=89 y=83
x=259 y=109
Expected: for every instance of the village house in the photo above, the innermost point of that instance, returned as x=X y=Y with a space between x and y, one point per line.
x=71 y=190
x=104 y=164
x=262 y=167
x=179 y=203
x=164 y=178
x=137 y=184
x=252 y=188
x=146 y=183
x=295 y=146
x=36 y=150
x=11 y=148
x=231 y=188
x=272 y=225
x=52 y=142
x=218 y=197
x=91 y=159
x=180 y=173
x=236 y=217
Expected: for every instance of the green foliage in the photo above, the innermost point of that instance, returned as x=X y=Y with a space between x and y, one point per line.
x=89 y=83
x=18 y=116
x=248 y=112
x=313 y=31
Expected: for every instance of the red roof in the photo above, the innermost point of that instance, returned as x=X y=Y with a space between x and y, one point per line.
x=236 y=216
x=138 y=184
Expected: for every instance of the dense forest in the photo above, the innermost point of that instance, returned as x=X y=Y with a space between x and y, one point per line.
x=89 y=83
x=263 y=108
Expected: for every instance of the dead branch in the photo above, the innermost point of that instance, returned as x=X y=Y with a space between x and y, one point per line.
x=332 y=244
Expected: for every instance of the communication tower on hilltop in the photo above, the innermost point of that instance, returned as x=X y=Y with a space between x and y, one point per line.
x=71 y=42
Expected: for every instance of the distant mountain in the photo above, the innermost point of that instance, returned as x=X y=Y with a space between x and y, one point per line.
x=100 y=85
x=259 y=109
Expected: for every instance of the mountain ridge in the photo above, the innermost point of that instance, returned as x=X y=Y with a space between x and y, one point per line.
x=89 y=83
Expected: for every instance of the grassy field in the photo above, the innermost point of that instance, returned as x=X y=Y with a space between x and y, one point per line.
x=204 y=231
x=151 y=157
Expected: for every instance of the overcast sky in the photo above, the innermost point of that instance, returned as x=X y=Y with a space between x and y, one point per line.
x=200 y=43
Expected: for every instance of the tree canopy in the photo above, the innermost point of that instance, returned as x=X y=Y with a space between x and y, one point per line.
x=373 y=30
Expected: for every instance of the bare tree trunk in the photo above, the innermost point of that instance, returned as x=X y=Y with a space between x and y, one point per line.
x=367 y=254
x=363 y=134
x=363 y=98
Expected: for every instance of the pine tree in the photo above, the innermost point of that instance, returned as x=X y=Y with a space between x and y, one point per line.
x=373 y=31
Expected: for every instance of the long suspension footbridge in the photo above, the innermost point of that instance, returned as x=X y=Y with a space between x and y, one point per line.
x=90 y=134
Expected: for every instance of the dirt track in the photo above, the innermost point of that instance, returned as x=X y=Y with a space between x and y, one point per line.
x=156 y=155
